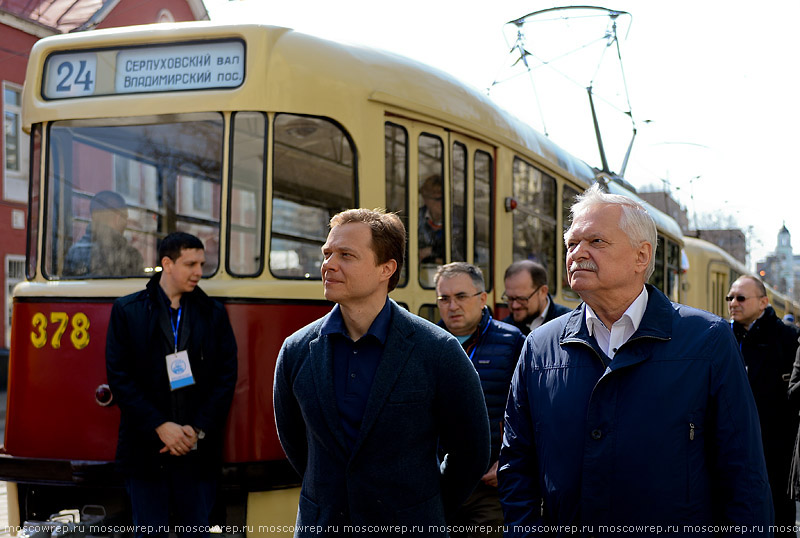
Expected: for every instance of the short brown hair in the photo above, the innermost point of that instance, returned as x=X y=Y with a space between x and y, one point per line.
x=536 y=270
x=388 y=235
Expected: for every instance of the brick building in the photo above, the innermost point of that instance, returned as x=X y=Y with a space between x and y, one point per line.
x=22 y=23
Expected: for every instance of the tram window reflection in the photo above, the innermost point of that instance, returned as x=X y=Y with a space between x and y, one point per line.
x=313 y=178
x=535 y=217
x=430 y=219
x=167 y=170
x=396 y=166
x=483 y=214
x=248 y=173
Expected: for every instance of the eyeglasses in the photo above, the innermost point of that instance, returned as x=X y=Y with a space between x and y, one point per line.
x=521 y=300
x=458 y=298
x=741 y=298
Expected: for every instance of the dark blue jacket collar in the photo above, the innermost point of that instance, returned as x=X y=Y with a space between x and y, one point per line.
x=656 y=323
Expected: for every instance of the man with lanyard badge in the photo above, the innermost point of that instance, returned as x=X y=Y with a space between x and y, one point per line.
x=172 y=367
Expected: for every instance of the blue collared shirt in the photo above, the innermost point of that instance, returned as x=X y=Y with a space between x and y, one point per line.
x=354 y=366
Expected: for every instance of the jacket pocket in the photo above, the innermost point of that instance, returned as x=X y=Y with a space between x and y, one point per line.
x=426 y=517
x=307 y=515
x=694 y=438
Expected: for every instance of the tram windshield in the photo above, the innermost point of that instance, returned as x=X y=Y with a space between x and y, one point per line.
x=116 y=187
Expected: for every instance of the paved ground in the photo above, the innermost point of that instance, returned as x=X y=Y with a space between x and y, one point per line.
x=4 y=530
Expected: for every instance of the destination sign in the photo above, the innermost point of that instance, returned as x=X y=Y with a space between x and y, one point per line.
x=168 y=68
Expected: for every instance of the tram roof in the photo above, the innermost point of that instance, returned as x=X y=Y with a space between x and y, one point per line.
x=378 y=75
x=276 y=54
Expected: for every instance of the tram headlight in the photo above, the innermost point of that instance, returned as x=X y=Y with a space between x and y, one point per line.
x=103 y=395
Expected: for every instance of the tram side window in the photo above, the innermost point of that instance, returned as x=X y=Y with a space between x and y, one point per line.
x=396 y=164
x=673 y=269
x=657 y=278
x=535 y=216
x=430 y=223
x=568 y=197
x=458 y=204
x=247 y=179
x=116 y=187
x=313 y=178
x=483 y=214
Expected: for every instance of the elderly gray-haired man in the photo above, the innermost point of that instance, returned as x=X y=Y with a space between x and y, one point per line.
x=631 y=412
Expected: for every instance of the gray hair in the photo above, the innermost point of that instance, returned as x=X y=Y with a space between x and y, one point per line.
x=635 y=221
x=460 y=268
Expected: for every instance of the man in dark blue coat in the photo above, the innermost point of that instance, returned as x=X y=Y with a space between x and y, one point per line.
x=528 y=297
x=171 y=364
x=768 y=346
x=364 y=396
x=631 y=414
x=493 y=348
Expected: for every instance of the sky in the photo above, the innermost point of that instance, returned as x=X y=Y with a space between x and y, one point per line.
x=711 y=86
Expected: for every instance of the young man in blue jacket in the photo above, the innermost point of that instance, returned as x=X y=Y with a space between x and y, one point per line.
x=632 y=413
x=493 y=348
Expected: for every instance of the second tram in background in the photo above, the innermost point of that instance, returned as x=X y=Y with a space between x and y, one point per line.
x=709 y=276
x=250 y=137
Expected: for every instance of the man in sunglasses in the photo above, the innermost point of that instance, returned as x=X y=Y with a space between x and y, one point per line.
x=768 y=346
x=528 y=297
x=493 y=348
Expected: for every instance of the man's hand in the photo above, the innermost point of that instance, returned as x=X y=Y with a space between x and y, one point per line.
x=490 y=478
x=178 y=440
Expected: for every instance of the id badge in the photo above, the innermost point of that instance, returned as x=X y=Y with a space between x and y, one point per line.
x=179 y=370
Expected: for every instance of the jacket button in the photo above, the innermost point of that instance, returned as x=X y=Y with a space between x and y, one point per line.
x=596 y=434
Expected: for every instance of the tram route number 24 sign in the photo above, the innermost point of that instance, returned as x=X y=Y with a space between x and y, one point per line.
x=57 y=325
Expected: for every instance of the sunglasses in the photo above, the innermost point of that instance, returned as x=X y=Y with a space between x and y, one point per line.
x=741 y=298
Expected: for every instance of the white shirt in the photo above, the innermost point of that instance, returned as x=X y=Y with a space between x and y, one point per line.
x=537 y=321
x=622 y=329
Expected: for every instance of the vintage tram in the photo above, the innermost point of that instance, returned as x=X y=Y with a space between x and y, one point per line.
x=250 y=137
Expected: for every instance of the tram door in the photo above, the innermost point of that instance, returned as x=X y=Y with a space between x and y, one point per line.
x=442 y=184
x=718 y=286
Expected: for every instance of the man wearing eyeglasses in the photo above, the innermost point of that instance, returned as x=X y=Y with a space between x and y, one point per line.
x=768 y=346
x=631 y=414
x=493 y=347
x=528 y=297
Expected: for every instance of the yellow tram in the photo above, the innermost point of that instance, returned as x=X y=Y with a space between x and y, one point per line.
x=251 y=137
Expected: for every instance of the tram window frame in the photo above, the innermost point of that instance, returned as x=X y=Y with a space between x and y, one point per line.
x=236 y=247
x=303 y=126
x=657 y=278
x=173 y=182
x=397 y=169
x=483 y=206
x=673 y=255
x=34 y=185
x=567 y=201
x=522 y=215
x=458 y=202
x=428 y=168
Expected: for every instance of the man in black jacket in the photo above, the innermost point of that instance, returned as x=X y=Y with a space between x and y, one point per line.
x=528 y=297
x=493 y=347
x=172 y=367
x=768 y=346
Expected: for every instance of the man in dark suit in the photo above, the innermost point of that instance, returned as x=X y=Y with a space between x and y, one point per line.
x=171 y=364
x=528 y=297
x=365 y=395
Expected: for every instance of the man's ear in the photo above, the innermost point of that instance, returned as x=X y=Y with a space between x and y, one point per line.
x=388 y=268
x=166 y=262
x=643 y=256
